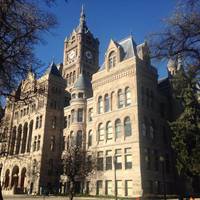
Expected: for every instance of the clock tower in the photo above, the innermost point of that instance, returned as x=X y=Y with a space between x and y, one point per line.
x=81 y=53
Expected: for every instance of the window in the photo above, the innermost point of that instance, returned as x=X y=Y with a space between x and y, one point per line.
x=152 y=129
x=109 y=134
x=127 y=96
x=73 y=96
x=120 y=98
x=99 y=187
x=147 y=97
x=128 y=188
x=72 y=138
x=90 y=114
x=107 y=103
x=67 y=80
x=37 y=123
x=109 y=160
x=90 y=138
x=100 y=161
x=128 y=158
x=127 y=127
x=38 y=143
x=50 y=167
x=53 y=122
x=80 y=95
x=69 y=120
x=52 y=143
x=151 y=99
x=40 y=122
x=65 y=122
x=157 y=187
x=147 y=158
x=119 y=187
x=112 y=101
x=74 y=77
x=109 y=190
x=80 y=115
x=73 y=116
x=118 y=159
x=101 y=132
x=100 y=105
x=156 y=160
x=118 y=128
x=79 y=138
x=144 y=129
x=35 y=143
x=112 y=60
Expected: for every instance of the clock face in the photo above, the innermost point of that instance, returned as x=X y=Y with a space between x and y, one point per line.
x=88 y=54
x=72 y=54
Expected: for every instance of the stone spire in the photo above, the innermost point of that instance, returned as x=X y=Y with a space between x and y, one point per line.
x=82 y=16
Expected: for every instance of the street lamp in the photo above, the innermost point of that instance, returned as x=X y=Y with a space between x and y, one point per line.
x=162 y=160
x=114 y=163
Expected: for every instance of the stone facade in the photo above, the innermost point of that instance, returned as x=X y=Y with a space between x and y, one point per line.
x=119 y=111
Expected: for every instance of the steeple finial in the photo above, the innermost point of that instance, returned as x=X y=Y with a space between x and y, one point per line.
x=82 y=15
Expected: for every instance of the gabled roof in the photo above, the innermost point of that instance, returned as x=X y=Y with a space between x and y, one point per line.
x=53 y=70
x=129 y=47
x=83 y=82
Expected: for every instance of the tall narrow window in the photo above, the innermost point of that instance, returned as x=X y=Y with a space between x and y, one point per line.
x=112 y=59
x=120 y=98
x=147 y=158
x=37 y=123
x=107 y=103
x=90 y=114
x=152 y=129
x=109 y=134
x=79 y=138
x=80 y=115
x=128 y=188
x=40 y=122
x=52 y=143
x=73 y=116
x=109 y=160
x=100 y=161
x=128 y=158
x=127 y=96
x=100 y=105
x=127 y=127
x=118 y=128
x=118 y=159
x=119 y=187
x=90 y=138
x=109 y=188
x=38 y=143
x=74 y=77
x=101 y=132
x=53 y=123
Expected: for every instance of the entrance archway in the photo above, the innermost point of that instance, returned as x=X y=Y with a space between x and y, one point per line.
x=15 y=176
x=23 y=176
x=7 y=178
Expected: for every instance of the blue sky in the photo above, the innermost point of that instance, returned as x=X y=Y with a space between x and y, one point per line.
x=106 y=19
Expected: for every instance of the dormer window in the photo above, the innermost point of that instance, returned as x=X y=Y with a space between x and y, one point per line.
x=112 y=59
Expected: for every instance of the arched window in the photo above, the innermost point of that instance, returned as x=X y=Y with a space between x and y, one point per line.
x=144 y=128
x=101 y=132
x=127 y=96
x=147 y=97
x=109 y=131
x=14 y=132
x=127 y=127
x=90 y=138
x=25 y=131
x=30 y=136
x=90 y=114
x=118 y=128
x=37 y=123
x=19 y=134
x=107 y=103
x=152 y=129
x=40 y=122
x=120 y=98
x=100 y=105
x=73 y=77
x=79 y=138
x=67 y=80
x=112 y=60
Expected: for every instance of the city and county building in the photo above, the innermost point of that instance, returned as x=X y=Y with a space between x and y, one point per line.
x=120 y=111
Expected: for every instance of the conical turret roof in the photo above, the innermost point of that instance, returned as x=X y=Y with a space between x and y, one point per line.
x=83 y=83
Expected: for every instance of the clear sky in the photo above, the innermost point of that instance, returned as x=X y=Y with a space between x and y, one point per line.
x=106 y=19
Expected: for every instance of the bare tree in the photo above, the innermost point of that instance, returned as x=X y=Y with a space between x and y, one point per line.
x=22 y=23
x=78 y=164
x=181 y=36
